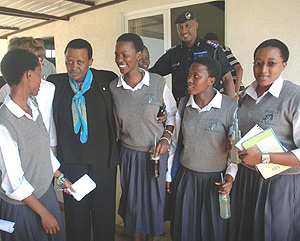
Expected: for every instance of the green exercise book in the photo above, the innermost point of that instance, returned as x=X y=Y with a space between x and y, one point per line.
x=266 y=141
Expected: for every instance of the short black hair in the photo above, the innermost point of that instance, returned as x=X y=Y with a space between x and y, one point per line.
x=276 y=44
x=80 y=44
x=134 y=38
x=212 y=65
x=15 y=63
x=211 y=36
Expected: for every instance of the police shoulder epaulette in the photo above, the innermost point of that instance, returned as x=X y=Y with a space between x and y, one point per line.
x=211 y=43
x=171 y=48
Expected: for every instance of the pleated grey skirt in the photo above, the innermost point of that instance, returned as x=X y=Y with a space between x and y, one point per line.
x=28 y=226
x=195 y=207
x=143 y=197
x=265 y=209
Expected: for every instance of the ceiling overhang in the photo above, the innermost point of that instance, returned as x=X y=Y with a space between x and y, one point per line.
x=19 y=16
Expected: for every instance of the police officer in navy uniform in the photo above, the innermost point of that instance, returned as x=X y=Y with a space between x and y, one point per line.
x=178 y=59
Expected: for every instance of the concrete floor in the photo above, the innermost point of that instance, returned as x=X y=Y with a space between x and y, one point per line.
x=124 y=235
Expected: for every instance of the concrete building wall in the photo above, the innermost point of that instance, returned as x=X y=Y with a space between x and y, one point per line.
x=3 y=47
x=247 y=23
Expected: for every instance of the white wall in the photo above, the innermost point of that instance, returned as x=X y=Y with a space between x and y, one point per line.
x=100 y=27
x=248 y=23
x=3 y=47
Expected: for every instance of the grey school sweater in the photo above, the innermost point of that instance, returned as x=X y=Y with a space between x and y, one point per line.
x=136 y=113
x=33 y=143
x=204 y=136
x=275 y=113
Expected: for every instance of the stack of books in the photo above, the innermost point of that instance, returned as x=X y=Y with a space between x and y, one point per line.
x=265 y=141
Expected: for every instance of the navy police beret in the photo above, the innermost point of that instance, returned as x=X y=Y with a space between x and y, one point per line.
x=185 y=16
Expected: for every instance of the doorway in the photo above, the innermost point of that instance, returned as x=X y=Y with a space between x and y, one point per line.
x=158 y=32
x=210 y=16
x=50 y=49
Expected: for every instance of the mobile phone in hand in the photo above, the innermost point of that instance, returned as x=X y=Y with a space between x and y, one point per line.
x=161 y=110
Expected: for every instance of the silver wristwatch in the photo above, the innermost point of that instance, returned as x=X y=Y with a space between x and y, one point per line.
x=265 y=158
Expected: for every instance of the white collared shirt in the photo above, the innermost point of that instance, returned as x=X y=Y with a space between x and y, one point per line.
x=13 y=181
x=45 y=99
x=216 y=102
x=275 y=90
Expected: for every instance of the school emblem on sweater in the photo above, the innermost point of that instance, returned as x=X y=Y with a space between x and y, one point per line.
x=212 y=125
x=149 y=99
x=268 y=117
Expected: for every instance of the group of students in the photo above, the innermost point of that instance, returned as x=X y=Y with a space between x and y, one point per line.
x=261 y=209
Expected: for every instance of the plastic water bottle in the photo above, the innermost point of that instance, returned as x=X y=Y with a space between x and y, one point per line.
x=234 y=157
x=154 y=165
x=154 y=161
x=224 y=206
x=224 y=203
x=235 y=137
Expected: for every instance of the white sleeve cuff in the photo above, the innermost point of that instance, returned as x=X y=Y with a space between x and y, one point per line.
x=55 y=163
x=22 y=192
x=171 y=106
x=168 y=177
x=297 y=153
x=232 y=170
x=170 y=163
x=53 y=142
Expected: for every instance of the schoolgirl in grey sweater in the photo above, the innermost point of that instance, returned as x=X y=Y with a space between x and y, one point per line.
x=269 y=209
x=137 y=96
x=27 y=164
x=206 y=129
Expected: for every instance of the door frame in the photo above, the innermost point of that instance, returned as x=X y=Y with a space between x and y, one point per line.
x=166 y=22
x=166 y=11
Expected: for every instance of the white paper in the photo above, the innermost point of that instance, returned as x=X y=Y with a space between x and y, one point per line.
x=7 y=226
x=82 y=186
x=254 y=131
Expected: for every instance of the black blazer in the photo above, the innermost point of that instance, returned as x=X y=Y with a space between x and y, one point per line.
x=102 y=78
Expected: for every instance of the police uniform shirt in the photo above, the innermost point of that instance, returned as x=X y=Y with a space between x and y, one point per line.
x=178 y=60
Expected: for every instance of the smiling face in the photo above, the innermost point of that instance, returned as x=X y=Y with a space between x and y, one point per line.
x=145 y=59
x=187 y=31
x=264 y=74
x=126 y=57
x=77 y=63
x=199 y=81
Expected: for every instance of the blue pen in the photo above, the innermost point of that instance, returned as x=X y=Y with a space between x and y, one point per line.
x=61 y=189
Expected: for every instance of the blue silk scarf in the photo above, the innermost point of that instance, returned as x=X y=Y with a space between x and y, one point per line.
x=78 y=106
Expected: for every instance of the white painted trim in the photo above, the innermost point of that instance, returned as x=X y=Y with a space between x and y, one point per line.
x=166 y=7
x=167 y=29
x=225 y=22
x=165 y=10
x=166 y=23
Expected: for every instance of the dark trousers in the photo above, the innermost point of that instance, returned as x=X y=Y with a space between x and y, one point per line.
x=98 y=207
